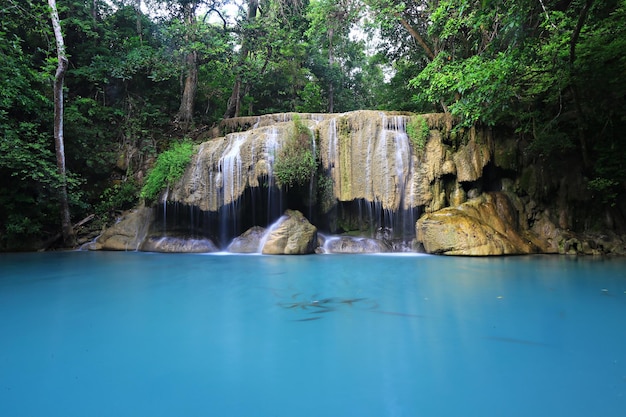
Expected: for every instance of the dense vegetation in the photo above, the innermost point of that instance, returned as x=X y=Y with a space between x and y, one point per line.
x=144 y=74
x=296 y=162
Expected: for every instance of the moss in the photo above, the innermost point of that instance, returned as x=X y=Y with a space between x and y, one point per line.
x=295 y=163
x=418 y=131
x=345 y=152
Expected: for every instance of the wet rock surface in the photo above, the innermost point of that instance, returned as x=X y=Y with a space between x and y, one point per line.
x=349 y=244
x=128 y=233
x=170 y=244
x=292 y=234
x=487 y=225
x=248 y=242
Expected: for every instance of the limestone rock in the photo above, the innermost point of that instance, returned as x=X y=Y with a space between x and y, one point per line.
x=470 y=159
x=487 y=225
x=170 y=244
x=348 y=244
x=291 y=235
x=457 y=196
x=128 y=233
x=248 y=242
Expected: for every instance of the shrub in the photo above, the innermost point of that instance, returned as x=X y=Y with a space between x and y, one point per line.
x=418 y=131
x=169 y=167
x=121 y=196
x=295 y=162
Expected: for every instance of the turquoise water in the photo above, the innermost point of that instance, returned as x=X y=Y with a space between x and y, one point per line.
x=137 y=334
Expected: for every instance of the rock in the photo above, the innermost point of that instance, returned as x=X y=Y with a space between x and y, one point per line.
x=349 y=244
x=471 y=158
x=128 y=233
x=170 y=244
x=457 y=196
x=487 y=225
x=292 y=234
x=248 y=242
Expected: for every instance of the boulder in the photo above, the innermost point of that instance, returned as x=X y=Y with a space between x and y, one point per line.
x=349 y=244
x=128 y=233
x=292 y=234
x=248 y=242
x=170 y=244
x=486 y=225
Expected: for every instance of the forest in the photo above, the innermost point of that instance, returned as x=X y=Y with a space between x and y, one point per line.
x=137 y=77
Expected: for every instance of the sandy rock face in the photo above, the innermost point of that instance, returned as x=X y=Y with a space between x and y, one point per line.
x=128 y=234
x=291 y=235
x=487 y=225
x=248 y=242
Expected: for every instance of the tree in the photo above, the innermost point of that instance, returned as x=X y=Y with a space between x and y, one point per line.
x=333 y=20
x=234 y=102
x=69 y=237
x=185 y=112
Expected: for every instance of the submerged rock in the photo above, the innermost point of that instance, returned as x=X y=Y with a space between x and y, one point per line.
x=487 y=225
x=248 y=242
x=292 y=234
x=128 y=233
x=169 y=244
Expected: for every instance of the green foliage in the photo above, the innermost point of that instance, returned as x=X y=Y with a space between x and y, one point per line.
x=606 y=188
x=122 y=196
x=479 y=89
x=169 y=168
x=312 y=101
x=295 y=162
x=418 y=131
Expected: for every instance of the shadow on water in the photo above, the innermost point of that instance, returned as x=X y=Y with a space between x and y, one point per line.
x=317 y=305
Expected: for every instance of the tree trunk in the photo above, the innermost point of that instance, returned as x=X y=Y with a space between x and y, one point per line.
x=234 y=102
x=580 y=115
x=139 y=15
x=69 y=238
x=415 y=35
x=331 y=62
x=185 y=112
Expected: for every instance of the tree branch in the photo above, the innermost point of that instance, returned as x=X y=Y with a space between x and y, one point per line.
x=420 y=40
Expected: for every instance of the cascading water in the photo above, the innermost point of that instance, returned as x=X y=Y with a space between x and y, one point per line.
x=404 y=168
x=387 y=206
x=231 y=186
x=272 y=146
x=230 y=169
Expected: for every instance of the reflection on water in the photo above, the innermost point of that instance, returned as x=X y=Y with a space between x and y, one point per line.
x=137 y=334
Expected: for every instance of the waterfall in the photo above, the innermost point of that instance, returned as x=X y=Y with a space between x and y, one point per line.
x=230 y=169
x=333 y=147
x=165 y=196
x=312 y=180
x=268 y=232
x=272 y=146
x=404 y=170
x=230 y=186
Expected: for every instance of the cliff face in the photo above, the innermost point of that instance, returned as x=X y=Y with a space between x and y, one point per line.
x=367 y=154
x=475 y=195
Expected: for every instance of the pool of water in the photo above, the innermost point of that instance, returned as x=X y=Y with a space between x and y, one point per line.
x=138 y=334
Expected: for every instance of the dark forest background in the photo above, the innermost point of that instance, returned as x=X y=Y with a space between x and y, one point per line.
x=144 y=75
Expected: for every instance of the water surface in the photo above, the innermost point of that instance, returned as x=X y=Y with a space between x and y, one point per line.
x=138 y=334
